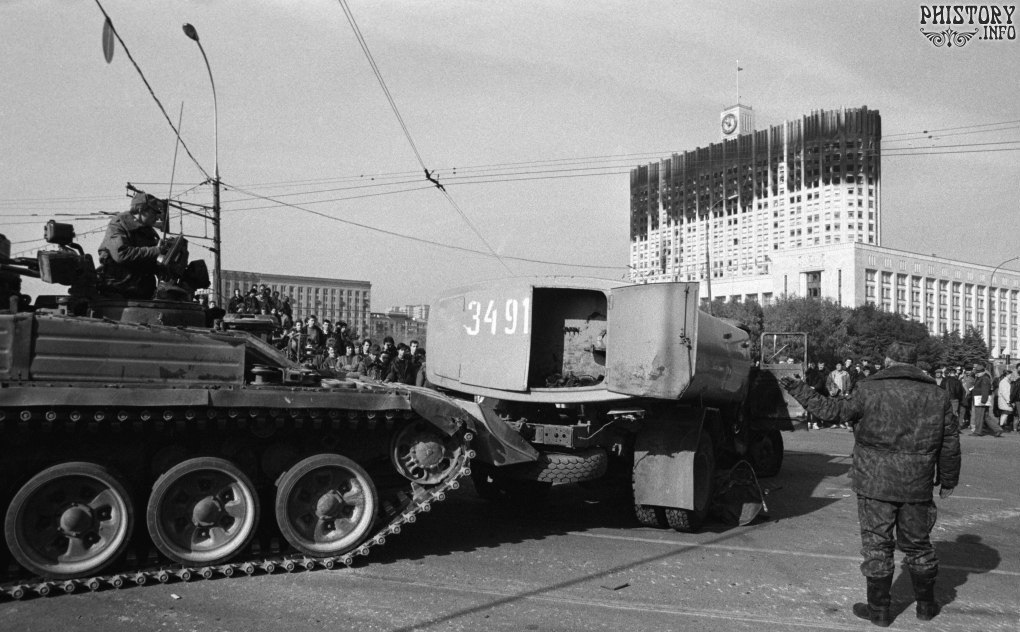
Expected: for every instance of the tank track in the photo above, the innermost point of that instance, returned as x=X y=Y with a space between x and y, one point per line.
x=148 y=567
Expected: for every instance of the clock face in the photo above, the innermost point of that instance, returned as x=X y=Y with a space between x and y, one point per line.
x=729 y=123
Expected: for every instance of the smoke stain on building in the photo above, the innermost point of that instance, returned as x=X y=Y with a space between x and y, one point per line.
x=795 y=210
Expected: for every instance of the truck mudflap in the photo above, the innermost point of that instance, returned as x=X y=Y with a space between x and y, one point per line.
x=664 y=460
x=495 y=442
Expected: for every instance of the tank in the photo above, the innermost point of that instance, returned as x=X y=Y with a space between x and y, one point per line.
x=580 y=379
x=139 y=445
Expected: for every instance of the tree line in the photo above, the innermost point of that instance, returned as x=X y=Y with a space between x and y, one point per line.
x=837 y=332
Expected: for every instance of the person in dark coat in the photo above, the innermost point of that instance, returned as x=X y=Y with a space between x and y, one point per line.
x=417 y=353
x=905 y=439
x=130 y=250
x=213 y=313
x=954 y=387
x=402 y=368
x=981 y=404
x=236 y=302
x=342 y=334
x=383 y=365
x=369 y=365
x=316 y=339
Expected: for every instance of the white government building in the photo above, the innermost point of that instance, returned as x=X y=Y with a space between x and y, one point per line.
x=796 y=209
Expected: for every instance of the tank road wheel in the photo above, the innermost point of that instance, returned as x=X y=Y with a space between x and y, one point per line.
x=202 y=511
x=325 y=505
x=689 y=520
x=71 y=520
x=424 y=455
x=766 y=453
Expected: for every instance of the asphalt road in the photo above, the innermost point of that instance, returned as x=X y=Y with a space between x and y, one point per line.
x=580 y=563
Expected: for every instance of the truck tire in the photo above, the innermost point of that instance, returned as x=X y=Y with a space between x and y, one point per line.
x=558 y=468
x=766 y=453
x=690 y=520
x=650 y=516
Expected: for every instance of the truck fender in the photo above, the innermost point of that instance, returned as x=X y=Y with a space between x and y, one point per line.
x=495 y=442
x=664 y=452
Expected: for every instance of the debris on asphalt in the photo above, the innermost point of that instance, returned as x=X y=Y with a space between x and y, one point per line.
x=616 y=586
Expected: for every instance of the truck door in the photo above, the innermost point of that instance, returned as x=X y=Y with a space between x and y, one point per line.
x=482 y=337
x=652 y=333
x=783 y=354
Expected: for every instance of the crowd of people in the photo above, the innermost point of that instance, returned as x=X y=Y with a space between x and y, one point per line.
x=985 y=404
x=260 y=300
x=331 y=348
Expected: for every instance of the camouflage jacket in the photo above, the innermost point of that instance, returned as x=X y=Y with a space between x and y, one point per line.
x=906 y=436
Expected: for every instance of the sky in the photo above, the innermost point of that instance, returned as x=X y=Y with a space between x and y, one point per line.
x=530 y=114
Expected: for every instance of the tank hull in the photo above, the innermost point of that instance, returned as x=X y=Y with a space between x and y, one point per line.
x=140 y=416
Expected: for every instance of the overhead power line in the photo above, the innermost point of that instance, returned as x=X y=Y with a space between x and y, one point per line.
x=497 y=172
x=407 y=133
x=950 y=129
x=417 y=239
x=152 y=93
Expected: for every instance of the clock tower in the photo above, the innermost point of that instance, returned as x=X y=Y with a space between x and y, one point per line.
x=736 y=120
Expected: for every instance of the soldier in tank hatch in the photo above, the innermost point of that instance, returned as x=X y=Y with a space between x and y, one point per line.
x=905 y=440
x=131 y=248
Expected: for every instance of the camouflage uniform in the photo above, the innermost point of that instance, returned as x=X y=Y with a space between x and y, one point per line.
x=906 y=439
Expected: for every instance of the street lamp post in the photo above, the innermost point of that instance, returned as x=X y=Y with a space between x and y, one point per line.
x=190 y=31
x=988 y=307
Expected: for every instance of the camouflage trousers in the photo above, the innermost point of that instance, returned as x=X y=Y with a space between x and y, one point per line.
x=888 y=525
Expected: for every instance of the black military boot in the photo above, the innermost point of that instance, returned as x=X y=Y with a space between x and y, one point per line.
x=924 y=593
x=877 y=608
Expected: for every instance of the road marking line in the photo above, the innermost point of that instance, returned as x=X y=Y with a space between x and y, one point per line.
x=954 y=496
x=751 y=549
x=533 y=595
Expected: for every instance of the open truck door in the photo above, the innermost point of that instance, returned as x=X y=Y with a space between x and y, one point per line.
x=783 y=354
x=650 y=350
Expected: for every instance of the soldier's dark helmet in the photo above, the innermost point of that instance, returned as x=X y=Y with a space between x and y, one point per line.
x=142 y=200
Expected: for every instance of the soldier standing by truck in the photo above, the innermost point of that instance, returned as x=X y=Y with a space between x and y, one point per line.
x=905 y=439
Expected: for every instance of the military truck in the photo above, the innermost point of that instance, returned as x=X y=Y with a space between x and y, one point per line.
x=575 y=379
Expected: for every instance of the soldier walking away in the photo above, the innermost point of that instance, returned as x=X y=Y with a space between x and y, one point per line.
x=981 y=414
x=906 y=440
x=130 y=250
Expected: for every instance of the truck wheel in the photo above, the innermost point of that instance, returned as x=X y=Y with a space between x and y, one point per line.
x=650 y=516
x=689 y=520
x=767 y=453
x=558 y=468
